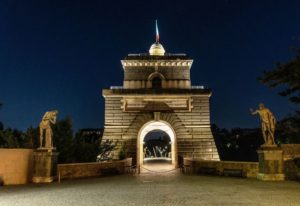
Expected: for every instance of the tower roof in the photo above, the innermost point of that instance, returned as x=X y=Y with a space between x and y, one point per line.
x=157 y=49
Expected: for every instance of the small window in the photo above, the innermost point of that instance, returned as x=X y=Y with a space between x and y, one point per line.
x=156 y=83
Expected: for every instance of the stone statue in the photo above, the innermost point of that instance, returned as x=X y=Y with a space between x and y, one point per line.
x=268 y=123
x=45 y=125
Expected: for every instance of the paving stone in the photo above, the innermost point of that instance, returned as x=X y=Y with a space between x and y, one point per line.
x=159 y=189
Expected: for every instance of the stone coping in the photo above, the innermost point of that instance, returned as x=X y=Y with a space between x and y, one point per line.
x=93 y=163
x=155 y=57
x=217 y=161
x=156 y=91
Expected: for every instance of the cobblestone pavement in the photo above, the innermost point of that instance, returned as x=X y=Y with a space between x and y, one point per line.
x=149 y=189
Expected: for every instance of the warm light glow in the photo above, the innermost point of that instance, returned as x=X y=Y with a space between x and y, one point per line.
x=157 y=49
x=157 y=125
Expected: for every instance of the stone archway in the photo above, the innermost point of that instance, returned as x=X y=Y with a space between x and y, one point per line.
x=151 y=126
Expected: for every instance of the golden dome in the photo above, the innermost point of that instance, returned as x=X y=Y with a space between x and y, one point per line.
x=157 y=49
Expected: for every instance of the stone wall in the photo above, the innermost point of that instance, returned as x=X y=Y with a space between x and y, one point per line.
x=142 y=84
x=291 y=157
x=192 y=128
x=16 y=166
x=174 y=72
x=93 y=169
x=291 y=169
x=169 y=73
x=290 y=151
x=221 y=168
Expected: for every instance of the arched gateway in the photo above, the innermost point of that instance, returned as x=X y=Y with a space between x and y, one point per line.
x=157 y=96
x=143 y=151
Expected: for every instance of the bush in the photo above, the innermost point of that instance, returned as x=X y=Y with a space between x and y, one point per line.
x=123 y=152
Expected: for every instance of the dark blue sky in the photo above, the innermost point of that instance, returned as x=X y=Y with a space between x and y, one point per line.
x=61 y=54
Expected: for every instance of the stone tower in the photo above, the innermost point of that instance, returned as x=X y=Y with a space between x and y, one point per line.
x=157 y=94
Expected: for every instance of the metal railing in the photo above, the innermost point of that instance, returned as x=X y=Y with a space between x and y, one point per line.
x=116 y=87
x=197 y=87
x=192 y=87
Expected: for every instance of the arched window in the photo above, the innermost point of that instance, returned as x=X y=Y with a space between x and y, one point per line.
x=156 y=83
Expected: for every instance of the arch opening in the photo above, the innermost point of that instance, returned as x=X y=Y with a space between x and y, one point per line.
x=156 y=147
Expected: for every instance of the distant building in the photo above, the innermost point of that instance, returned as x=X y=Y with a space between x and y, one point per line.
x=90 y=134
x=88 y=131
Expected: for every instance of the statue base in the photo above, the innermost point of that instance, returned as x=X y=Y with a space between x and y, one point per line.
x=270 y=163
x=45 y=165
x=270 y=177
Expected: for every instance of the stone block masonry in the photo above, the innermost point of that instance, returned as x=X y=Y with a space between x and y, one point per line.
x=192 y=128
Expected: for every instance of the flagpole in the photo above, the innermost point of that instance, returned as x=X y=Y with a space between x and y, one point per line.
x=157 y=33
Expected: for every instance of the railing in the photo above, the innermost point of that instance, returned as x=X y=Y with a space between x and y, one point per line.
x=197 y=87
x=166 y=54
x=192 y=87
x=116 y=87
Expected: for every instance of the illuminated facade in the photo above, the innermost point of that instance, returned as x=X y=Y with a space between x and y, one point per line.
x=157 y=95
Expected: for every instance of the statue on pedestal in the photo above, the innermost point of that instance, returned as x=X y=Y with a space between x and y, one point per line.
x=45 y=157
x=268 y=123
x=45 y=125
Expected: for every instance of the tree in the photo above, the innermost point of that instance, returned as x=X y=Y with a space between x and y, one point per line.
x=286 y=75
x=1 y=124
x=237 y=144
x=288 y=129
x=63 y=140
x=12 y=138
x=105 y=149
x=32 y=137
x=223 y=142
x=86 y=146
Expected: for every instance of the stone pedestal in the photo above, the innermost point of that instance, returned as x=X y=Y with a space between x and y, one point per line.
x=45 y=165
x=270 y=163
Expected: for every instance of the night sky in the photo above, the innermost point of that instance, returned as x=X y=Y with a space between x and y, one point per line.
x=61 y=54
